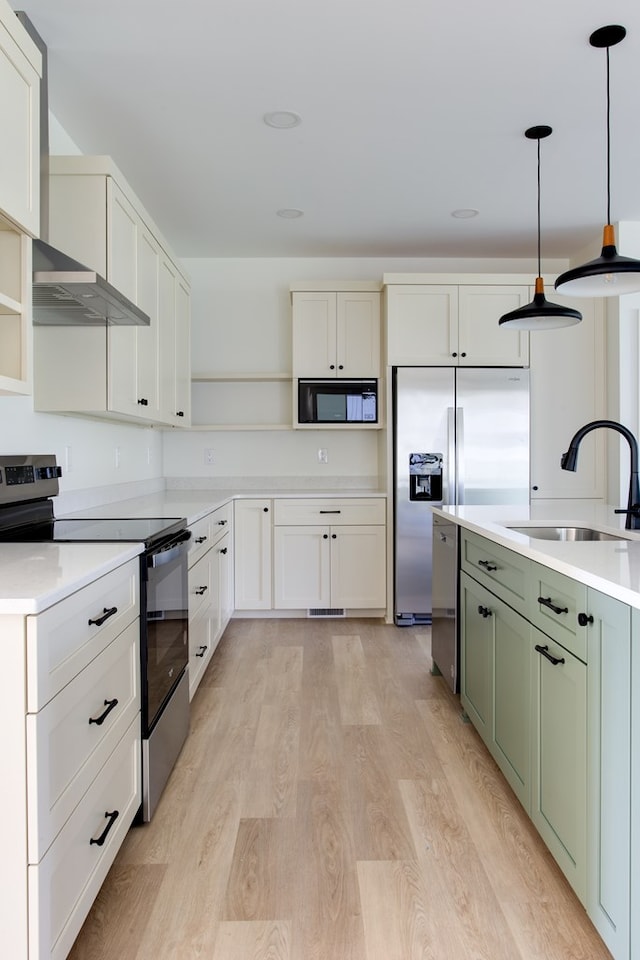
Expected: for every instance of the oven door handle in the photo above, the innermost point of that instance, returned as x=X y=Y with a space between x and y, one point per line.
x=170 y=551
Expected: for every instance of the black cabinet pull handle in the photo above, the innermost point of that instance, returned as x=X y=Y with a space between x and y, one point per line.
x=224 y=550
x=201 y=651
x=484 y=611
x=110 y=705
x=143 y=402
x=487 y=564
x=201 y=539
x=221 y=523
x=545 y=653
x=200 y=591
x=179 y=413
x=546 y=602
x=106 y=613
x=111 y=817
x=331 y=511
x=584 y=619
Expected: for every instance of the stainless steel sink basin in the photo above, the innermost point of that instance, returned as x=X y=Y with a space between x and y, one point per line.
x=566 y=533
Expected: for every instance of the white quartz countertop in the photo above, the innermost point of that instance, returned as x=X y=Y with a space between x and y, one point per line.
x=611 y=566
x=34 y=576
x=195 y=504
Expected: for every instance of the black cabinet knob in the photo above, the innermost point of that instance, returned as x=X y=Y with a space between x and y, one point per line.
x=265 y=509
x=463 y=354
x=454 y=354
x=584 y=619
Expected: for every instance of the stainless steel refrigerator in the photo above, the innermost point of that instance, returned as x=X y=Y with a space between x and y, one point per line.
x=461 y=436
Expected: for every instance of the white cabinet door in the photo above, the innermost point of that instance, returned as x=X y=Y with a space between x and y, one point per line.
x=182 y=365
x=301 y=575
x=252 y=554
x=358 y=567
x=147 y=341
x=336 y=334
x=20 y=65
x=358 y=335
x=422 y=325
x=123 y=225
x=567 y=391
x=314 y=334
x=481 y=341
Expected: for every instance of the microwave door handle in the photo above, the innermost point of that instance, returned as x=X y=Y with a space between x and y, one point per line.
x=451 y=457
x=459 y=455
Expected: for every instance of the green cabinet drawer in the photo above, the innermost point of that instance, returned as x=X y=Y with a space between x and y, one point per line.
x=502 y=571
x=556 y=601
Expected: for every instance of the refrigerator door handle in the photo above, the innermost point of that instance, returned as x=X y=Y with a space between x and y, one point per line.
x=451 y=456
x=459 y=455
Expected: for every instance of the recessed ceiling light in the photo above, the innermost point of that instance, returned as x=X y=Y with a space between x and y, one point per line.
x=465 y=213
x=282 y=119
x=290 y=213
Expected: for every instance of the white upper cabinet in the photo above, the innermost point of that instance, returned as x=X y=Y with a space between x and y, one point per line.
x=127 y=372
x=454 y=324
x=336 y=333
x=20 y=69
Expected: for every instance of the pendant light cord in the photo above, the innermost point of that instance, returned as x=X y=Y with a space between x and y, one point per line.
x=608 y=144
x=539 y=274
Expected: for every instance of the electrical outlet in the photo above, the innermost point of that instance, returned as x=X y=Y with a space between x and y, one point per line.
x=323 y=456
x=208 y=455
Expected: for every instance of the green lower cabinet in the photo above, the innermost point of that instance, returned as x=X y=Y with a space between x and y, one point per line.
x=609 y=743
x=559 y=787
x=511 y=746
x=496 y=681
x=476 y=655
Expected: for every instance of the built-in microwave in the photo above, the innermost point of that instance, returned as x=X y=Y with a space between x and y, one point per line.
x=337 y=401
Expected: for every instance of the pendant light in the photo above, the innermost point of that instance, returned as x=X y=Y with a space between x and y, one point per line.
x=540 y=314
x=610 y=275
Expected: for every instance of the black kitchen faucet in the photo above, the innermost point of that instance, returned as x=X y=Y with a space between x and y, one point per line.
x=569 y=461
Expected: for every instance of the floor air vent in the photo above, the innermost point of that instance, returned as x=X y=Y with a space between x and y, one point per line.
x=320 y=612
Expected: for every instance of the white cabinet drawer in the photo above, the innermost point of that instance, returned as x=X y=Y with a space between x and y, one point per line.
x=201 y=585
x=64 y=884
x=351 y=511
x=68 y=742
x=62 y=640
x=220 y=521
x=200 y=540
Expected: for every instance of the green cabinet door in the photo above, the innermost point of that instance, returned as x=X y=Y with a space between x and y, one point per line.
x=609 y=764
x=559 y=794
x=512 y=667
x=476 y=655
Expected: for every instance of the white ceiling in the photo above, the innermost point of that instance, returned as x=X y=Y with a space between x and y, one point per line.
x=410 y=109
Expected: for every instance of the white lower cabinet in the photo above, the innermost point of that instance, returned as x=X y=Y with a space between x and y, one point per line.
x=72 y=778
x=252 y=554
x=210 y=589
x=549 y=687
x=335 y=565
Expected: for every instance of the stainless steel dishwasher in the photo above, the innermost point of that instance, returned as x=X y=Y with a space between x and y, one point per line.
x=444 y=625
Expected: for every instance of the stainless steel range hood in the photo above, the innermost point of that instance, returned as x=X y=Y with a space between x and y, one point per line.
x=66 y=292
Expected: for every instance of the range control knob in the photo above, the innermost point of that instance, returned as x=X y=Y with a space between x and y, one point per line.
x=48 y=473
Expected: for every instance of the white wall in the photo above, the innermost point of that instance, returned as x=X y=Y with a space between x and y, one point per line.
x=241 y=321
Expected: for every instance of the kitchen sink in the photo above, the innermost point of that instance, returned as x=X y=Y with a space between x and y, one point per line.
x=567 y=533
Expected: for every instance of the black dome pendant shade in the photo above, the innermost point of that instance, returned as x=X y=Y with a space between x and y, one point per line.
x=540 y=314
x=610 y=274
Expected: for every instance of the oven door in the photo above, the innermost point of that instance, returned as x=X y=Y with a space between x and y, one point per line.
x=165 y=630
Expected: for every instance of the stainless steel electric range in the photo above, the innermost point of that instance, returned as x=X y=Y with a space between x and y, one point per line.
x=27 y=486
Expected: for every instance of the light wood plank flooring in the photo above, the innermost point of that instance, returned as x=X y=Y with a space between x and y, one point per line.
x=331 y=804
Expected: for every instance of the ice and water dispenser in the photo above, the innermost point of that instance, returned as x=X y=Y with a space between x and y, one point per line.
x=425 y=476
